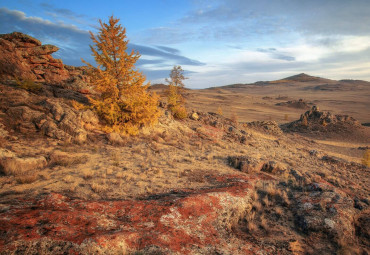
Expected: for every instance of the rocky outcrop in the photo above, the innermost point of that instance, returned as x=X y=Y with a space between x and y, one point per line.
x=29 y=114
x=316 y=120
x=24 y=57
x=299 y=104
x=270 y=127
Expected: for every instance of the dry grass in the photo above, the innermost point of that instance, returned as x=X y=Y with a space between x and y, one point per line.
x=250 y=216
x=263 y=223
x=69 y=179
x=278 y=210
x=257 y=205
x=67 y=159
x=115 y=158
x=87 y=173
x=266 y=202
x=296 y=248
x=21 y=166
x=99 y=186
x=252 y=227
x=26 y=179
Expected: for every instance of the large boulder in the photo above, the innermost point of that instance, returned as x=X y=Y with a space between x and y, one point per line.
x=24 y=57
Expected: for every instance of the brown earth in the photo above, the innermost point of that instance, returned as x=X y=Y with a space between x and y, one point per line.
x=204 y=185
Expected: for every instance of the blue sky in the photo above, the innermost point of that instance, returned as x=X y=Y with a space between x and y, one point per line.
x=217 y=42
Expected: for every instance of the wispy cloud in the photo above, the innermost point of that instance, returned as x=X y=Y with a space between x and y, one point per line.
x=276 y=54
x=74 y=42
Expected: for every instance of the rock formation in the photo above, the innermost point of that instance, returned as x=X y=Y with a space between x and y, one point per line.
x=24 y=57
x=316 y=120
x=299 y=104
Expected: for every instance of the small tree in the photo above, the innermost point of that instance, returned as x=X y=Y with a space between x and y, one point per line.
x=175 y=92
x=219 y=111
x=123 y=101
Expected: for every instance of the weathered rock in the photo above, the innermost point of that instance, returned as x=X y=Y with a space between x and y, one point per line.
x=45 y=49
x=12 y=63
x=21 y=39
x=274 y=167
x=362 y=225
x=24 y=113
x=299 y=104
x=327 y=212
x=270 y=127
x=316 y=120
x=50 y=129
x=24 y=118
x=23 y=57
x=245 y=164
x=72 y=125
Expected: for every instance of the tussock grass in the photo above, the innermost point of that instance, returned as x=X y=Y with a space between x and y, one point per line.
x=67 y=159
x=26 y=179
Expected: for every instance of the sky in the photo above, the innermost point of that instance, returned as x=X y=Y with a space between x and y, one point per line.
x=216 y=42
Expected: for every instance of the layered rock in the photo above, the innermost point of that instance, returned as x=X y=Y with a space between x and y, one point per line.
x=24 y=57
x=30 y=114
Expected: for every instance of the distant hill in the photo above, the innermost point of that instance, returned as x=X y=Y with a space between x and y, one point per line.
x=302 y=77
x=158 y=86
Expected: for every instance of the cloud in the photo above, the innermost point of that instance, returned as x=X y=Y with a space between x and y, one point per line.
x=314 y=16
x=61 y=12
x=74 y=42
x=151 y=51
x=276 y=54
x=339 y=60
x=232 y=20
x=169 y=49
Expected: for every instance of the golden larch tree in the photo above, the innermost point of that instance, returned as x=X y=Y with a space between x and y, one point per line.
x=123 y=101
x=175 y=93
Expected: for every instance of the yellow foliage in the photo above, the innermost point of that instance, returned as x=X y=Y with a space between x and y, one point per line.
x=29 y=85
x=366 y=158
x=77 y=105
x=179 y=112
x=123 y=102
x=219 y=111
x=175 y=99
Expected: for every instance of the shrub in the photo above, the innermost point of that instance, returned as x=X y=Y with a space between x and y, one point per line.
x=366 y=158
x=179 y=112
x=219 y=111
